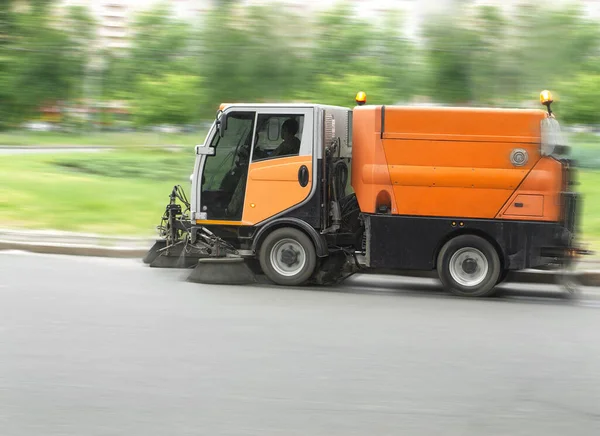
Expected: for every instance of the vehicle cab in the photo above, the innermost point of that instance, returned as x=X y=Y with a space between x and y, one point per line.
x=259 y=161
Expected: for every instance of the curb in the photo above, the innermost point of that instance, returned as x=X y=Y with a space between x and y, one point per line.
x=74 y=250
x=74 y=244
x=585 y=277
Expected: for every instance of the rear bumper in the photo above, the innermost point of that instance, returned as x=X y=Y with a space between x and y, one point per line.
x=565 y=246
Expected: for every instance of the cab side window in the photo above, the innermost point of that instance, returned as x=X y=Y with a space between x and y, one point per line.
x=277 y=136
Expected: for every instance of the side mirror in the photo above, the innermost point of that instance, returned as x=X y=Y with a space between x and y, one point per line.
x=221 y=122
x=201 y=150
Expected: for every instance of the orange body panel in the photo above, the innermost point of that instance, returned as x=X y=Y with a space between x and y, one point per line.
x=463 y=124
x=273 y=187
x=370 y=173
x=526 y=205
x=544 y=182
x=453 y=162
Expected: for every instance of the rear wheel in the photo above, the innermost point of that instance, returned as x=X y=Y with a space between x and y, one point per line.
x=288 y=257
x=503 y=276
x=469 y=266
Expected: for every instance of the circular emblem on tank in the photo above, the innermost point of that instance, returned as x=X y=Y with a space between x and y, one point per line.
x=519 y=157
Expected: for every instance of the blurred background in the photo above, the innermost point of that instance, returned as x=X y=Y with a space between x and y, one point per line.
x=138 y=83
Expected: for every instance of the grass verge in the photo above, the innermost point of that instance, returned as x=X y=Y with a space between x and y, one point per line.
x=116 y=193
x=124 y=192
x=135 y=139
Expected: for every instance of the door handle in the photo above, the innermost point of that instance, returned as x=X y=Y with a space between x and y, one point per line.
x=303 y=176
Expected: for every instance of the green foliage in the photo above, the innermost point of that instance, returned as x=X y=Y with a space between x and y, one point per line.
x=341 y=90
x=342 y=40
x=171 y=98
x=141 y=164
x=450 y=51
x=42 y=63
x=37 y=193
x=249 y=55
x=579 y=101
x=550 y=44
x=179 y=71
x=120 y=140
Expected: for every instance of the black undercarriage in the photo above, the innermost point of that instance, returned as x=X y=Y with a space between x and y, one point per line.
x=367 y=243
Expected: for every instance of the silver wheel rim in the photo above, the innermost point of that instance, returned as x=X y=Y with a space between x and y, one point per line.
x=288 y=257
x=468 y=267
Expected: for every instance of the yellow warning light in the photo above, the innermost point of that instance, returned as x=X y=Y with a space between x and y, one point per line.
x=546 y=97
x=361 y=98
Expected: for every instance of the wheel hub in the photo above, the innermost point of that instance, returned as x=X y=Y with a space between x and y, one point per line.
x=469 y=266
x=289 y=256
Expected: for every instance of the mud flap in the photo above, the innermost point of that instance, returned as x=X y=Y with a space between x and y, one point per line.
x=336 y=268
x=222 y=271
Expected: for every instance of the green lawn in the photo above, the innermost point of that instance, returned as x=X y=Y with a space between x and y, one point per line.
x=586 y=149
x=135 y=139
x=111 y=193
x=590 y=217
x=125 y=191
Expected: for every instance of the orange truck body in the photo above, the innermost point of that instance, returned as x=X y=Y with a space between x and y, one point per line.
x=453 y=162
x=470 y=192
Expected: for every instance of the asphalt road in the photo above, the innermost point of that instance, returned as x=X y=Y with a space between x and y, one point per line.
x=111 y=347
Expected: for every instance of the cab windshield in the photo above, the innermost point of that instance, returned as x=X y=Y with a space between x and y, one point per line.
x=226 y=171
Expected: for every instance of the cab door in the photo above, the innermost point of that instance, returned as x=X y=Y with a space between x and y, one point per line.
x=280 y=174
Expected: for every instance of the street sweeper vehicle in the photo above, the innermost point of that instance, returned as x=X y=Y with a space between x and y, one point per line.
x=468 y=194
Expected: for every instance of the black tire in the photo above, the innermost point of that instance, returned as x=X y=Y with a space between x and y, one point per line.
x=502 y=277
x=301 y=257
x=472 y=247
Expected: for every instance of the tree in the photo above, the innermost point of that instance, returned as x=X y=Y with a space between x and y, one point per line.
x=342 y=41
x=489 y=80
x=79 y=28
x=341 y=89
x=395 y=59
x=171 y=98
x=159 y=46
x=42 y=62
x=248 y=54
x=579 y=101
x=449 y=46
x=39 y=69
x=548 y=45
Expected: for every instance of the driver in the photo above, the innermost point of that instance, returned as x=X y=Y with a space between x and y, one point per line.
x=290 y=144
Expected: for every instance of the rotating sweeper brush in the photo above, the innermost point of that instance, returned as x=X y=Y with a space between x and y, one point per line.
x=182 y=244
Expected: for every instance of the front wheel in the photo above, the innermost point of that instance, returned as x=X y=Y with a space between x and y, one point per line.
x=288 y=257
x=469 y=266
